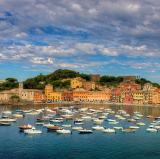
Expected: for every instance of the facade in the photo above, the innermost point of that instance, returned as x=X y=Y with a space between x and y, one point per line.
x=24 y=94
x=156 y=96
x=89 y=85
x=77 y=82
x=138 y=97
x=82 y=95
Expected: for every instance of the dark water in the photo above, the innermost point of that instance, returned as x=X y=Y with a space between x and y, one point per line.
x=139 y=145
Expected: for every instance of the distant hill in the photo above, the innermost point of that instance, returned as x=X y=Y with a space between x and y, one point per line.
x=61 y=79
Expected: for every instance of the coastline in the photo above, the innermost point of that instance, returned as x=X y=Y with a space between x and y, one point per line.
x=77 y=103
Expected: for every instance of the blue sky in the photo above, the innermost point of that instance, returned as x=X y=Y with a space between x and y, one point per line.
x=120 y=37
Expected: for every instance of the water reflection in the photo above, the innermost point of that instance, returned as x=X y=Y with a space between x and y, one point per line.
x=145 y=110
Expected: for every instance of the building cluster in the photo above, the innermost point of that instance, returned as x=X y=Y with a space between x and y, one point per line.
x=128 y=92
x=31 y=95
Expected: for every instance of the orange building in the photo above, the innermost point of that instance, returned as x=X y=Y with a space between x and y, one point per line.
x=156 y=96
x=91 y=96
x=38 y=97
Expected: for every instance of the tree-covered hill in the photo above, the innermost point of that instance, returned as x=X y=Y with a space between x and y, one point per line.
x=61 y=79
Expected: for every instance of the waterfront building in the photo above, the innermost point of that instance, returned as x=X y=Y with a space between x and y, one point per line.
x=138 y=97
x=82 y=95
x=57 y=96
x=156 y=96
x=116 y=95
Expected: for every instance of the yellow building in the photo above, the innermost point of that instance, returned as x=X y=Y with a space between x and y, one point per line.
x=138 y=97
x=77 y=82
x=156 y=97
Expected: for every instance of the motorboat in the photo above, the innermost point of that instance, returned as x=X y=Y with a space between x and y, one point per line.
x=85 y=131
x=54 y=128
x=7 y=120
x=134 y=127
x=67 y=125
x=131 y=120
x=78 y=121
x=48 y=125
x=5 y=123
x=32 y=131
x=86 y=117
x=129 y=130
x=109 y=130
x=151 y=130
x=113 y=122
x=141 y=124
x=98 y=121
x=118 y=128
x=100 y=128
x=25 y=127
x=63 y=131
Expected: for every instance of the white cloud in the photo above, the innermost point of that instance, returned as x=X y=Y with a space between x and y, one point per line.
x=41 y=60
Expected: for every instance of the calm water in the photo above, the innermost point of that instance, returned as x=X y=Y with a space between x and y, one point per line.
x=139 y=145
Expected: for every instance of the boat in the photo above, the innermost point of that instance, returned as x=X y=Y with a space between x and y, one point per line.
x=134 y=127
x=98 y=121
x=100 y=128
x=56 y=120
x=113 y=122
x=109 y=130
x=48 y=125
x=18 y=115
x=131 y=120
x=32 y=131
x=63 y=131
x=5 y=123
x=141 y=124
x=24 y=127
x=67 y=126
x=86 y=117
x=78 y=121
x=53 y=128
x=129 y=130
x=118 y=128
x=85 y=131
x=7 y=120
x=151 y=130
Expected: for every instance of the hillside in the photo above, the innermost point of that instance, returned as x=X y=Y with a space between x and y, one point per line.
x=61 y=79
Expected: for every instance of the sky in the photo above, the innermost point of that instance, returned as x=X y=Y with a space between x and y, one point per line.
x=109 y=37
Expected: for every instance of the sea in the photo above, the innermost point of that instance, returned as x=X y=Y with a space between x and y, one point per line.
x=98 y=145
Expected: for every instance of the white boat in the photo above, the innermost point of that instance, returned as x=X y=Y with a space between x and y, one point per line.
x=63 y=131
x=113 y=122
x=118 y=128
x=98 y=121
x=77 y=128
x=157 y=127
x=32 y=131
x=33 y=113
x=100 y=128
x=56 y=121
x=67 y=125
x=17 y=115
x=109 y=130
x=133 y=127
x=7 y=120
x=141 y=124
x=151 y=130
x=48 y=125
x=86 y=117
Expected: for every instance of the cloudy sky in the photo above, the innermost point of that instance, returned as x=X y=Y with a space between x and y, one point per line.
x=113 y=37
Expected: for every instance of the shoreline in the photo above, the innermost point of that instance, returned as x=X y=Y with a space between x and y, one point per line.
x=77 y=103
